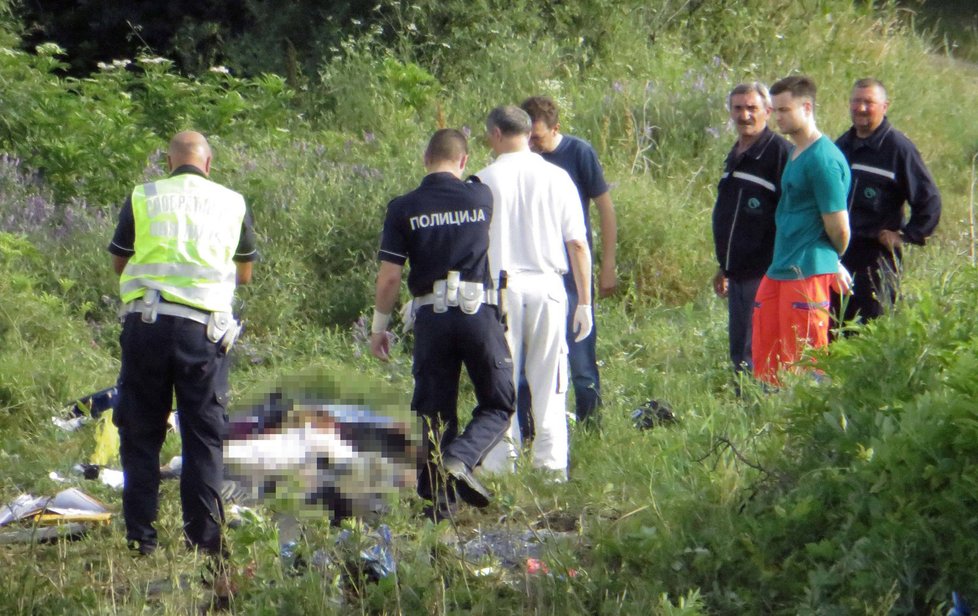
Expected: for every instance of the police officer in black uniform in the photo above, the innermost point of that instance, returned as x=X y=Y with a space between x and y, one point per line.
x=442 y=227
x=887 y=171
x=181 y=246
x=743 y=217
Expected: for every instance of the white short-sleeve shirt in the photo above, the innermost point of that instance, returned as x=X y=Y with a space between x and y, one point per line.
x=536 y=210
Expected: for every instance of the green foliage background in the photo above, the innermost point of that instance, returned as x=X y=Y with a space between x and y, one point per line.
x=852 y=496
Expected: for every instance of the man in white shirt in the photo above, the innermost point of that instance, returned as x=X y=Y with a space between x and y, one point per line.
x=537 y=223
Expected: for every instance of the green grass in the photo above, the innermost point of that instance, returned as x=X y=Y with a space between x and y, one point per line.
x=853 y=496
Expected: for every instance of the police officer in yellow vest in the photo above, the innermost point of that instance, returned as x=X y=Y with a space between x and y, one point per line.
x=181 y=246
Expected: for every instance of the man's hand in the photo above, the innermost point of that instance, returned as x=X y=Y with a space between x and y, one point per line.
x=380 y=346
x=891 y=240
x=582 y=322
x=843 y=281
x=720 y=284
x=607 y=280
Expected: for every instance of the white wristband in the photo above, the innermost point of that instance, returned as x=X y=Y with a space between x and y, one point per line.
x=380 y=322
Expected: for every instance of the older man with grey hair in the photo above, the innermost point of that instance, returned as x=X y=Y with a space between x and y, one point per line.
x=743 y=216
x=537 y=224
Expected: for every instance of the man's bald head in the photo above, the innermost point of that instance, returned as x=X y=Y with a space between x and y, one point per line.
x=189 y=148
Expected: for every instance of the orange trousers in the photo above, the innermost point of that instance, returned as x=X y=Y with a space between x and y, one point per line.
x=789 y=315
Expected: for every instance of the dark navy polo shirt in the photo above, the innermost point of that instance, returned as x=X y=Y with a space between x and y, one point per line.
x=576 y=156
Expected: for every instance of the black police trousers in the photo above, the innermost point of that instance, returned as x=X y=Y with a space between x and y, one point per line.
x=875 y=281
x=172 y=354
x=444 y=342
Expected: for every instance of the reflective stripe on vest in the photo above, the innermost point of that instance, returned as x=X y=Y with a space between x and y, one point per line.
x=187 y=229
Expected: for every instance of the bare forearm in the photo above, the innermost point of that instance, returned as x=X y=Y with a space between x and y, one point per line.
x=243 y=272
x=837 y=230
x=119 y=264
x=388 y=284
x=609 y=229
x=580 y=263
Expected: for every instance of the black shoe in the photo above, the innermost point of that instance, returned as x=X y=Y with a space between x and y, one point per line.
x=437 y=514
x=141 y=548
x=467 y=486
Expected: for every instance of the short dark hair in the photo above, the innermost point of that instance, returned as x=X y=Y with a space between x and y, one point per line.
x=446 y=144
x=510 y=120
x=541 y=108
x=798 y=85
x=870 y=82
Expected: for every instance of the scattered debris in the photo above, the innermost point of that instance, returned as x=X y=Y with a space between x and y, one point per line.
x=172 y=468
x=93 y=405
x=106 y=441
x=66 y=513
x=959 y=607
x=109 y=476
x=68 y=505
x=535 y=566
x=70 y=425
x=512 y=550
x=73 y=530
x=651 y=414
x=376 y=560
x=88 y=471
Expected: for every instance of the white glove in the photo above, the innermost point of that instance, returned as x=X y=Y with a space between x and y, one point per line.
x=843 y=280
x=582 y=322
x=407 y=316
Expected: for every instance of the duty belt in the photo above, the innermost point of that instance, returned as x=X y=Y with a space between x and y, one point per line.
x=149 y=310
x=488 y=296
x=222 y=327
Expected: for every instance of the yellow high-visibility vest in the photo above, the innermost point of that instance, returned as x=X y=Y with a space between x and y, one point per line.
x=187 y=229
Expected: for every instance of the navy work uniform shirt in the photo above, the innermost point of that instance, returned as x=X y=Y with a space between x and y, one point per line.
x=747 y=197
x=442 y=226
x=887 y=171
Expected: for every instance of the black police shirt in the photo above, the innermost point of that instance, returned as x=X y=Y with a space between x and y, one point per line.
x=440 y=226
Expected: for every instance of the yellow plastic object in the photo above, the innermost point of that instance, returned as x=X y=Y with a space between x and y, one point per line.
x=106 y=441
x=47 y=519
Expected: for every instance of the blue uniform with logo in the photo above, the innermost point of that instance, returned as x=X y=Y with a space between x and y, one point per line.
x=743 y=230
x=887 y=171
x=443 y=226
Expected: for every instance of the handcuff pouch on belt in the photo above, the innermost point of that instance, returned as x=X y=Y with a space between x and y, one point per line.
x=151 y=299
x=223 y=329
x=453 y=292
x=471 y=295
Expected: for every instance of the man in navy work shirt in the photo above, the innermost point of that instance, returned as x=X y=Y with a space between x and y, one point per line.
x=182 y=245
x=743 y=217
x=580 y=161
x=887 y=171
x=442 y=227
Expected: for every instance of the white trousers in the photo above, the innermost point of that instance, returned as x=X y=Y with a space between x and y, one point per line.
x=536 y=307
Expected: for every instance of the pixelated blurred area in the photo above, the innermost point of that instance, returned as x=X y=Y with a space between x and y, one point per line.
x=323 y=443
